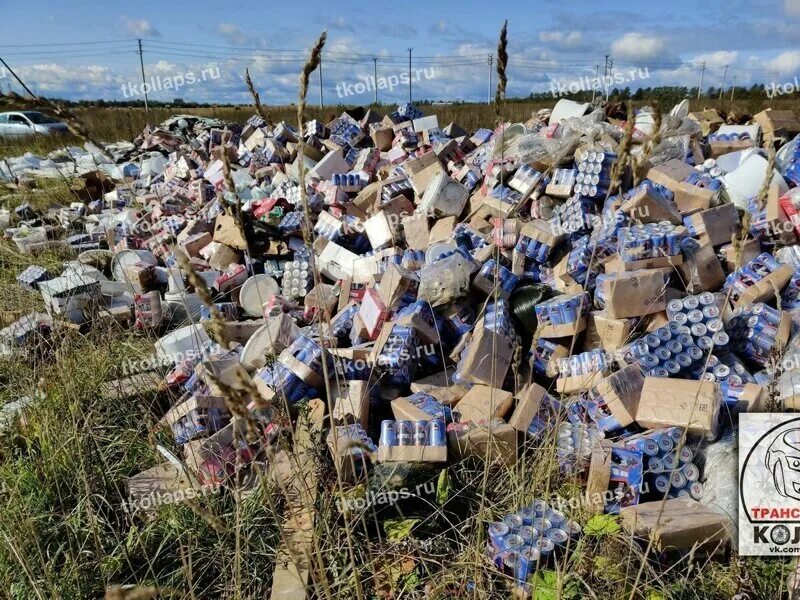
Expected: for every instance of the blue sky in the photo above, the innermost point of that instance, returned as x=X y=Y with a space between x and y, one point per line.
x=87 y=49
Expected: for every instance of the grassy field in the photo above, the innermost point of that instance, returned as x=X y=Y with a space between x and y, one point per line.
x=65 y=531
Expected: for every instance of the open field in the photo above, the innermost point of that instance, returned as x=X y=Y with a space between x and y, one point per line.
x=65 y=531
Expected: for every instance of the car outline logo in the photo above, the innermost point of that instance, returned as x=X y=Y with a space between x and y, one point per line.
x=782 y=459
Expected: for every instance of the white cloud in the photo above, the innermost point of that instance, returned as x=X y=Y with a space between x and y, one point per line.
x=716 y=59
x=792 y=7
x=572 y=39
x=231 y=33
x=787 y=62
x=140 y=27
x=637 y=45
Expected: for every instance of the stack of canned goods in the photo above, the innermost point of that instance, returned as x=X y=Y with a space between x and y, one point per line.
x=296 y=279
x=412 y=433
x=32 y=276
x=579 y=260
x=504 y=232
x=498 y=319
x=355 y=432
x=573 y=217
x=227 y=310
x=574 y=443
x=506 y=194
x=347 y=180
x=396 y=359
x=395 y=189
x=342 y=323
x=522 y=540
x=562 y=310
x=706 y=180
x=586 y=363
x=430 y=406
x=467 y=238
x=540 y=356
x=793 y=169
x=669 y=471
x=626 y=481
x=653 y=240
x=313 y=127
x=328 y=227
x=533 y=249
x=750 y=274
x=594 y=173
x=508 y=281
x=525 y=179
x=200 y=422
x=564 y=178
x=694 y=330
x=753 y=330
x=728 y=137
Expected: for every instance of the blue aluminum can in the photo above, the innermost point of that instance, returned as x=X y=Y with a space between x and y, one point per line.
x=405 y=433
x=388 y=433
x=436 y=433
x=497 y=534
x=528 y=558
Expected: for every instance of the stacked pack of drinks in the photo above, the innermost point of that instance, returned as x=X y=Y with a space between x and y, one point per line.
x=753 y=330
x=562 y=310
x=523 y=540
x=413 y=433
x=667 y=470
x=594 y=173
x=750 y=274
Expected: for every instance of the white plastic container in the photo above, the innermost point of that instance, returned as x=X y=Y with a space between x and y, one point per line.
x=125 y=258
x=185 y=342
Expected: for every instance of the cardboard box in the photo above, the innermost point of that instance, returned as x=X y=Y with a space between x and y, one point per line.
x=749 y=250
x=421 y=171
x=405 y=410
x=709 y=120
x=701 y=270
x=416 y=231
x=670 y=402
x=483 y=403
x=719 y=148
x=777 y=124
x=618 y=396
x=577 y=383
x=647 y=206
x=488 y=357
x=634 y=294
x=530 y=401
x=613 y=264
x=497 y=441
x=396 y=281
x=442 y=230
x=717 y=224
x=670 y=173
x=778 y=225
x=607 y=333
x=425 y=454
x=351 y=402
x=764 y=289
x=677 y=523
x=348 y=458
x=753 y=399
x=560 y=331
x=689 y=198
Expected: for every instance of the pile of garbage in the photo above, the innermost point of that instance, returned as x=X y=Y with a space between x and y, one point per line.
x=450 y=295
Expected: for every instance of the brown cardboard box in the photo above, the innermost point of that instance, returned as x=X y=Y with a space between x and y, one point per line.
x=718 y=224
x=396 y=281
x=670 y=173
x=621 y=392
x=753 y=399
x=599 y=476
x=448 y=395
x=777 y=225
x=690 y=197
x=613 y=264
x=646 y=207
x=578 y=383
x=677 y=523
x=701 y=270
x=764 y=289
x=421 y=170
x=529 y=402
x=165 y=479
x=347 y=458
x=670 y=402
x=560 y=331
x=488 y=357
x=442 y=230
x=709 y=120
x=634 y=294
x=718 y=148
x=416 y=230
x=483 y=402
x=403 y=410
x=498 y=441
x=750 y=249
x=425 y=454
x=607 y=333
x=351 y=403
x=777 y=123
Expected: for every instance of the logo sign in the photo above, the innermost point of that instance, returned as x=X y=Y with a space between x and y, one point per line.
x=769 y=484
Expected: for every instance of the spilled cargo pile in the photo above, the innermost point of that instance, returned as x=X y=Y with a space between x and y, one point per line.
x=575 y=288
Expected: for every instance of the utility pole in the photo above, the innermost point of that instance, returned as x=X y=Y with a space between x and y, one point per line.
x=409 y=75
x=489 y=92
x=594 y=87
x=144 y=84
x=610 y=69
x=724 y=77
x=321 y=103
x=375 y=78
x=733 y=87
x=702 y=76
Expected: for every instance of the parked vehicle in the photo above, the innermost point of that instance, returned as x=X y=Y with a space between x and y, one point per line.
x=29 y=122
